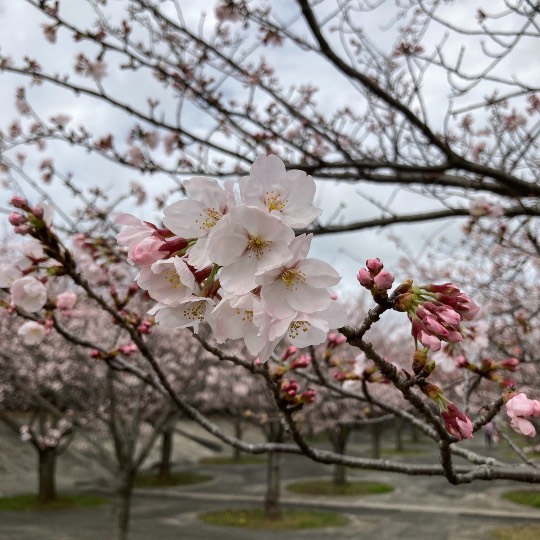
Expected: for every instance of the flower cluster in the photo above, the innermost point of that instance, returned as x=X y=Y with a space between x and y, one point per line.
x=435 y=312
x=231 y=259
x=518 y=407
x=27 y=271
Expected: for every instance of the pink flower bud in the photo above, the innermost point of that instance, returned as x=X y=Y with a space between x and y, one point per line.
x=38 y=212
x=147 y=251
x=457 y=423
x=365 y=279
x=434 y=326
x=433 y=343
x=289 y=352
x=22 y=229
x=335 y=340
x=308 y=396
x=510 y=363
x=128 y=349
x=384 y=280
x=448 y=315
x=19 y=202
x=94 y=353
x=462 y=362
x=302 y=361
x=16 y=219
x=374 y=266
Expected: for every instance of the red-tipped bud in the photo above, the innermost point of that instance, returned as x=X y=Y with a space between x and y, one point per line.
x=302 y=361
x=364 y=278
x=290 y=351
x=19 y=202
x=38 y=212
x=21 y=229
x=16 y=219
x=384 y=280
x=374 y=266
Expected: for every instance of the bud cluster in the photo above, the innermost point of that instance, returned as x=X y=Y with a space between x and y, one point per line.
x=456 y=422
x=375 y=279
x=490 y=369
x=435 y=312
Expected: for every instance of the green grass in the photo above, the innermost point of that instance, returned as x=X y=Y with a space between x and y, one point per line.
x=227 y=460
x=29 y=502
x=529 y=497
x=522 y=532
x=327 y=487
x=184 y=478
x=291 y=519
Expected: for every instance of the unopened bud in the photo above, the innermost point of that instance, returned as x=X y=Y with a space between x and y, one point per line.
x=16 y=219
x=19 y=202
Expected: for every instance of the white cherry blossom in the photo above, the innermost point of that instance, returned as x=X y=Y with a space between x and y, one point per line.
x=300 y=284
x=285 y=194
x=29 y=293
x=232 y=318
x=134 y=232
x=247 y=243
x=167 y=281
x=190 y=312
x=195 y=217
x=31 y=333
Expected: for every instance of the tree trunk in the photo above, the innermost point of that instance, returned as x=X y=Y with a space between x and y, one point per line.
x=122 y=506
x=398 y=432
x=238 y=433
x=47 y=475
x=339 y=443
x=166 y=453
x=376 y=432
x=272 y=507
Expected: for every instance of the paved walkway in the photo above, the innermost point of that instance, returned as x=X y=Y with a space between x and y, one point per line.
x=419 y=508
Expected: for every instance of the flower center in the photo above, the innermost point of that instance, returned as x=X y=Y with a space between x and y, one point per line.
x=208 y=218
x=292 y=278
x=196 y=311
x=296 y=327
x=172 y=277
x=257 y=245
x=245 y=314
x=274 y=201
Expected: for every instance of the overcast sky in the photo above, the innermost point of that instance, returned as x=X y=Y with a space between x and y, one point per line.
x=20 y=35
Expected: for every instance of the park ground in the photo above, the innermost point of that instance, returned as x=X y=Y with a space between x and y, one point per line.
x=419 y=507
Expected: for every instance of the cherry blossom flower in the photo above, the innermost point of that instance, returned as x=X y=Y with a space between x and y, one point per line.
x=8 y=274
x=196 y=216
x=31 y=333
x=285 y=194
x=248 y=243
x=192 y=311
x=298 y=285
x=148 y=251
x=135 y=231
x=66 y=300
x=232 y=318
x=518 y=407
x=167 y=281
x=29 y=293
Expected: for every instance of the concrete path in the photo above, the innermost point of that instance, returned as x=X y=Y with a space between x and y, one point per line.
x=419 y=508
